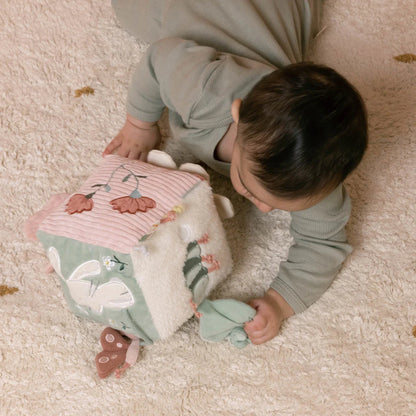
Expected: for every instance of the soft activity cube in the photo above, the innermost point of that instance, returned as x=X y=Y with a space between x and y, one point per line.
x=138 y=244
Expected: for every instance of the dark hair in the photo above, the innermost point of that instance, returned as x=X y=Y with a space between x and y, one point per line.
x=304 y=128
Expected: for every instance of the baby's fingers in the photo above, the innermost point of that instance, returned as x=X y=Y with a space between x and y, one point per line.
x=114 y=144
x=137 y=155
x=143 y=156
x=256 y=325
x=261 y=338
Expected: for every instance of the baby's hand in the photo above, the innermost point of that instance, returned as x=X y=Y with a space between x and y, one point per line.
x=135 y=140
x=272 y=310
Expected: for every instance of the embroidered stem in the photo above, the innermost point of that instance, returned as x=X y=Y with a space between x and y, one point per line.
x=135 y=193
x=107 y=186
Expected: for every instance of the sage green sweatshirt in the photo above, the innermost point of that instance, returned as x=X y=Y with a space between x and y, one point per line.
x=205 y=54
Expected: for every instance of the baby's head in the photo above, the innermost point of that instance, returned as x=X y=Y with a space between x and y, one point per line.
x=301 y=130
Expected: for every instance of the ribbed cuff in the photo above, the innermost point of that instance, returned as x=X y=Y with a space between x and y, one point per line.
x=288 y=295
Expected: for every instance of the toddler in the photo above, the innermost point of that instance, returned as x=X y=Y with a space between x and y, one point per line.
x=241 y=99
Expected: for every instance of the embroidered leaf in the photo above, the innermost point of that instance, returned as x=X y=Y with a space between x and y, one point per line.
x=122 y=264
x=7 y=290
x=406 y=58
x=126 y=178
x=414 y=331
x=124 y=326
x=97 y=185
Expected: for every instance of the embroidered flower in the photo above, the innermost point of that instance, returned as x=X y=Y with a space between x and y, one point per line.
x=112 y=322
x=79 y=203
x=108 y=263
x=133 y=203
x=170 y=216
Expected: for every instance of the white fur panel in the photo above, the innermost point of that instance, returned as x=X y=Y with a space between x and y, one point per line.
x=158 y=261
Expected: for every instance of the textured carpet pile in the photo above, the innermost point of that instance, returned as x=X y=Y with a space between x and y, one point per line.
x=352 y=353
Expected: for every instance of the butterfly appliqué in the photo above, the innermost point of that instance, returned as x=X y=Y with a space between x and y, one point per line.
x=115 y=357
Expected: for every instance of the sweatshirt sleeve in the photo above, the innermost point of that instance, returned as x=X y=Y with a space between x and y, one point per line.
x=196 y=82
x=319 y=249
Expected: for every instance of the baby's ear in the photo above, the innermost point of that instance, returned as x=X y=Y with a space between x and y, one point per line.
x=224 y=206
x=195 y=168
x=235 y=109
x=162 y=159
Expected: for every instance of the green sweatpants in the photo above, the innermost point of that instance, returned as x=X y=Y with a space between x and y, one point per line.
x=262 y=30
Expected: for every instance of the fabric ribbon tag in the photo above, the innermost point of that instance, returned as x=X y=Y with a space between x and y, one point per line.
x=224 y=319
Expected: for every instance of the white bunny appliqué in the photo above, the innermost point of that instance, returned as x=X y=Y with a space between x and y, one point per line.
x=112 y=295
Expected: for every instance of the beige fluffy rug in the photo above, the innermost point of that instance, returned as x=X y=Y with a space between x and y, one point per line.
x=352 y=353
